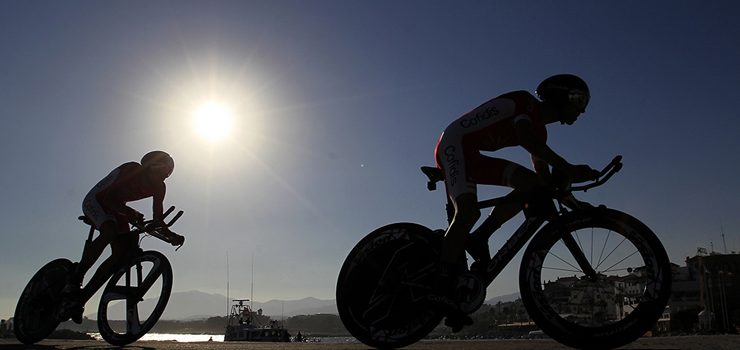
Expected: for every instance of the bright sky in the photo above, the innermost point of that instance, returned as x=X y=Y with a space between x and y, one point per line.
x=334 y=105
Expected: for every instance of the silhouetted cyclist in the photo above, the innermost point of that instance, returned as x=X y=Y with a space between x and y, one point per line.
x=513 y=119
x=105 y=205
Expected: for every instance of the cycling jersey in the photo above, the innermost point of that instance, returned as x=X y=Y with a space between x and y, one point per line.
x=126 y=183
x=489 y=127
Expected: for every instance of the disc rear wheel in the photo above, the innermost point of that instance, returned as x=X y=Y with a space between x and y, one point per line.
x=36 y=314
x=383 y=284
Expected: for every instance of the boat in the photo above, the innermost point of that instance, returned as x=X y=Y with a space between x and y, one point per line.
x=242 y=325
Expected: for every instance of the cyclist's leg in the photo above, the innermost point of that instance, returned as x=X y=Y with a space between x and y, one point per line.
x=453 y=158
x=524 y=182
x=91 y=253
x=501 y=172
x=466 y=215
x=121 y=243
x=105 y=223
x=95 y=248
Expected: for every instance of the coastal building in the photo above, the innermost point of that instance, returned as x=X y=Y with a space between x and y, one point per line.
x=703 y=295
x=718 y=284
x=613 y=298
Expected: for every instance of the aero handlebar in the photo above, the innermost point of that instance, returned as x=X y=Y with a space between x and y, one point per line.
x=152 y=227
x=612 y=168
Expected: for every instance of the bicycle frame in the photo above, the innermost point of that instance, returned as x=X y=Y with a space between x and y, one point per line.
x=531 y=224
x=512 y=246
x=93 y=285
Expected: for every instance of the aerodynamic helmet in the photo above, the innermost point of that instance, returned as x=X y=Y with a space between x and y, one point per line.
x=160 y=161
x=564 y=89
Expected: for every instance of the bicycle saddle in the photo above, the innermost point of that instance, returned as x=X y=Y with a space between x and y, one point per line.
x=85 y=219
x=434 y=174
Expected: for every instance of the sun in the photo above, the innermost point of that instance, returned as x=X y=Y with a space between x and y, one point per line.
x=213 y=121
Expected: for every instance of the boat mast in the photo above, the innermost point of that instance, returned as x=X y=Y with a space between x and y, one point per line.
x=228 y=303
x=251 y=297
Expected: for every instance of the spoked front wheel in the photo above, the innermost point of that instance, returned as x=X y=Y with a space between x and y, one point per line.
x=595 y=279
x=384 y=284
x=36 y=314
x=135 y=298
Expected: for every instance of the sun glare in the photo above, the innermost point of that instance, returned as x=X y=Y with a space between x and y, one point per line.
x=213 y=121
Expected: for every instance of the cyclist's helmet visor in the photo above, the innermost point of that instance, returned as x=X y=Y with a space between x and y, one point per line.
x=578 y=99
x=565 y=90
x=161 y=169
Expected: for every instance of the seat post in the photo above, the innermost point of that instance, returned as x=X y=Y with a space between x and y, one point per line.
x=90 y=234
x=450 y=209
x=89 y=222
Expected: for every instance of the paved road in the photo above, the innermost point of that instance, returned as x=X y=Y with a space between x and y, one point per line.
x=722 y=342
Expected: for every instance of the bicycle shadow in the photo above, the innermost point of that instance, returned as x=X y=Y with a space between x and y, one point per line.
x=112 y=347
x=72 y=347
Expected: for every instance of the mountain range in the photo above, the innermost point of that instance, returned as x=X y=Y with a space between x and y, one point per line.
x=191 y=305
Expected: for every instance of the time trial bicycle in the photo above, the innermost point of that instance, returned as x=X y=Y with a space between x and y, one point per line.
x=591 y=277
x=142 y=275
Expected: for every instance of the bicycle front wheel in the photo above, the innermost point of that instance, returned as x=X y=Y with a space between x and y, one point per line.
x=595 y=279
x=135 y=298
x=36 y=313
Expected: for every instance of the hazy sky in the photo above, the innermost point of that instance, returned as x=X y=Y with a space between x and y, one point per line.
x=337 y=104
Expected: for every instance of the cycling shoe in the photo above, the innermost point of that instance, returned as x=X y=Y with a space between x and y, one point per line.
x=77 y=314
x=455 y=318
x=458 y=321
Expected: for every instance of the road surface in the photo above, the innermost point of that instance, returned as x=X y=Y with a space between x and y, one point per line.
x=718 y=342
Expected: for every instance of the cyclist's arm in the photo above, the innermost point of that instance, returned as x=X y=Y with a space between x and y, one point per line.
x=538 y=149
x=157 y=202
x=158 y=216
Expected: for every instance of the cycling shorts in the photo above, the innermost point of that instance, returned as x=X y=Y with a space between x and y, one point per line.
x=464 y=168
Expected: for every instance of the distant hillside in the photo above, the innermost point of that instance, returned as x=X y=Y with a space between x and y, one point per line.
x=193 y=305
x=289 y=308
x=503 y=298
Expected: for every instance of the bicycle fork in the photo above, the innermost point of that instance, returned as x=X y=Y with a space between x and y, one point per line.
x=577 y=253
x=132 y=314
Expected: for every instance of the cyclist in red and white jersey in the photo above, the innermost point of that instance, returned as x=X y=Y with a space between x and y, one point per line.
x=512 y=119
x=105 y=205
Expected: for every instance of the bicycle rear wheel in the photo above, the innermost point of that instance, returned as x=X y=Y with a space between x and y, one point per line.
x=36 y=312
x=383 y=284
x=142 y=289
x=618 y=304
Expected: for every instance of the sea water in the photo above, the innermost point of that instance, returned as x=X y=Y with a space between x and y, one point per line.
x=189 y=338
x=181 y=338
